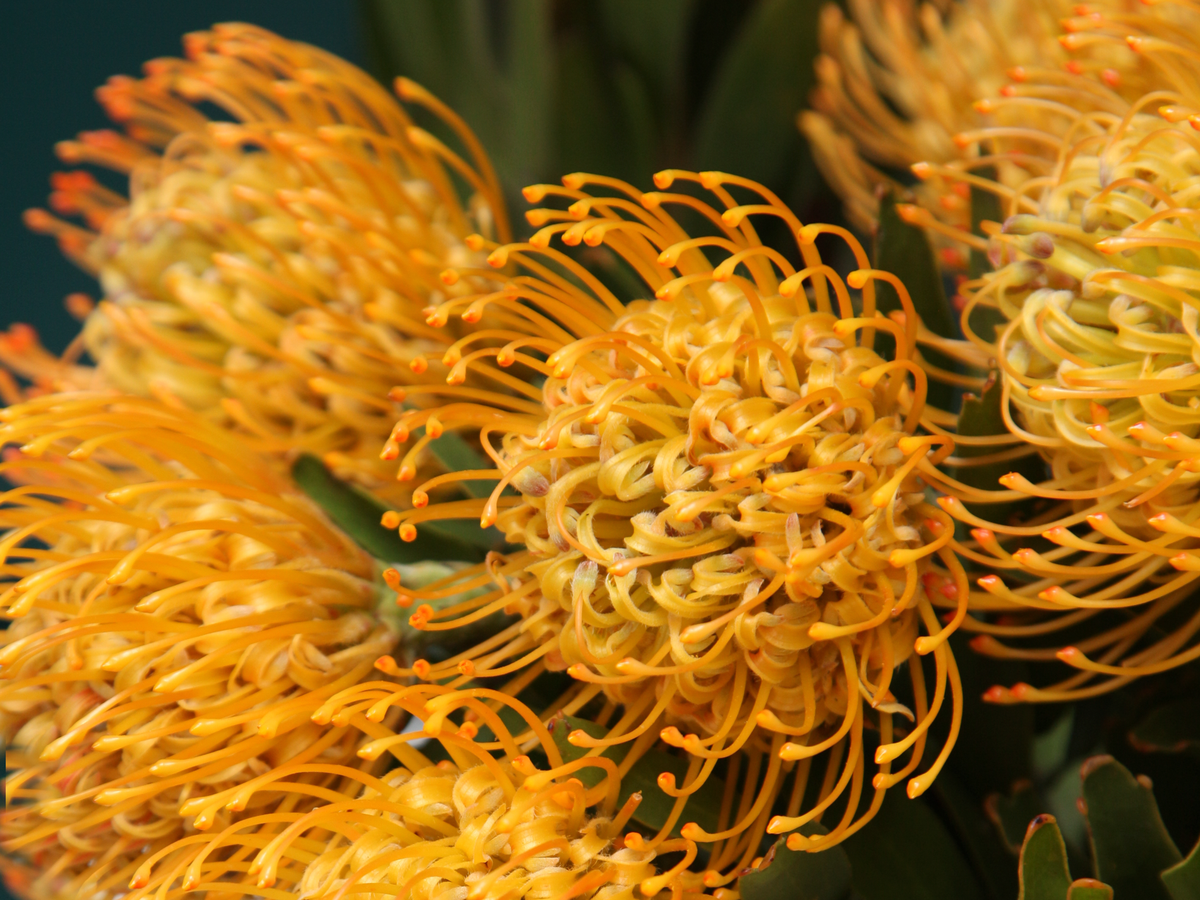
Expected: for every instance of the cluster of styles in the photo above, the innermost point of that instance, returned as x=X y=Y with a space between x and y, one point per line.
x=735 y=532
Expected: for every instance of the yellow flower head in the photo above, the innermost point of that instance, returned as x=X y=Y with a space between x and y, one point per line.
x=1098 y=356
x=173 y=603
x=483 y=823
x=718 y=491
x=897 y=83
x=271 y=268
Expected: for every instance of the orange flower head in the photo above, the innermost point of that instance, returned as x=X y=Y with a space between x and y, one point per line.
x=1091 y=320
x=177 y=611
x=269 y=267
x=719 y=491
x=483 y=822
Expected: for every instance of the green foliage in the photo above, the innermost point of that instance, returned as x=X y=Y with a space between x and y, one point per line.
x=799 y=875
x=1130 y=844
x=905 y=251
x=618 y=87
x=358 y=514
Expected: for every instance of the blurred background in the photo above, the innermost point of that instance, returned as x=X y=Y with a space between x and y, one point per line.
x=619 y=87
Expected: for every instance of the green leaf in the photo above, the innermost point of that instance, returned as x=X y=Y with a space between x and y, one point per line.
x=492 y=63
x=358 y=514
x=985 y=206
x=456 y=455
x=982 y=416
x=1183 y=880
x=1130 y=844
x=1171 y=728
x=906 y=853
x=993 y=748
x=1043 y=867
x=904 y=250
x=1050 y=748
x=703 y=808
x=795 y=875
x=1013 y=813
x=653 y=38
x=747 y=123
x=1089 y=889
x=985 y=850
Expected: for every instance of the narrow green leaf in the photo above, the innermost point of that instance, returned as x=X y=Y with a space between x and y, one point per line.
x=1012 y=814
x=456 y=455
x=987 y=853
x=906 y=853
x=1050 y=748
x=747 y=122
x=653 y=38
x=1171 y=728
x=1043 y=869
x=358 y=514
x=795 y=875
x=982 y=416
x=1089 y=889
x=985 y=206
x=904 y=250
x=1183 y=880
x=703 y=808
x=1130 y=844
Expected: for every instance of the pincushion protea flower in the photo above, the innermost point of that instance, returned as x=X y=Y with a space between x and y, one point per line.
x=178 y=611
x=1099 y=363
x=721 y=493
x=898 y=82
x=484 y=824
x=271 y=270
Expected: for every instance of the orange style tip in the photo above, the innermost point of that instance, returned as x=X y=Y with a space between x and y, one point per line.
x=497 y=258
x=1017 y=73
x=1136 y=43
x=663 y=180
x=985 y=106
x=420 y=499
x=390 y=519
x=666 y=781
x=1074 y=66
x=140 y=881
x=982 y=643
x=1051 y=594
x=1067 y=654
x=577 y=671
x=922 y=170
x=996 y=694
x=408 y=533
x=989 y=582
x=419 y=365
x=1159 y=520
x=1009 y=90
x=1020 y=690
x=858 y=277
x=980 y=534
x=1110 y=77
x=421 y=668
x=916 y=787
x=487 y=521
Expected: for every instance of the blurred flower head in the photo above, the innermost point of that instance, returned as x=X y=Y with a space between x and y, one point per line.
x=719 y=491
x=484 y=822
x=174 y=606
x=284 y=229
x=1091 y=319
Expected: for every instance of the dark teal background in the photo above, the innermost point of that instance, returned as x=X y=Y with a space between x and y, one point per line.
x=53 y=55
